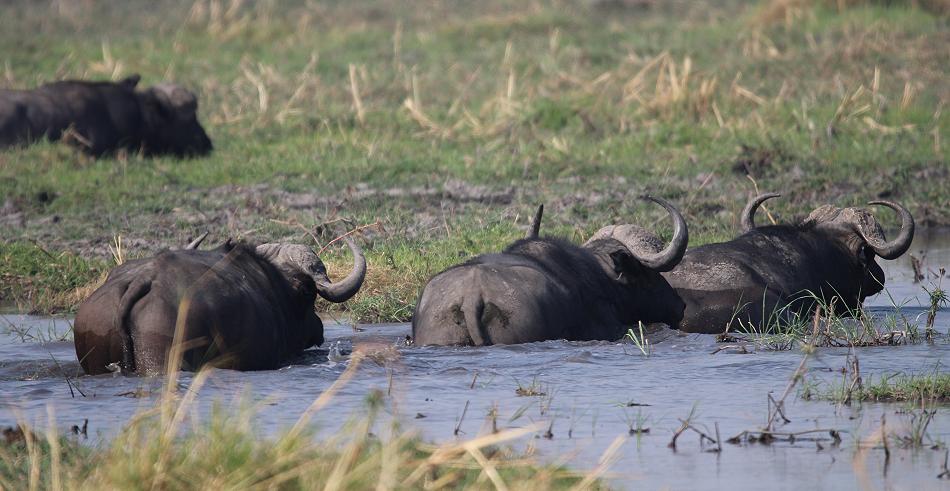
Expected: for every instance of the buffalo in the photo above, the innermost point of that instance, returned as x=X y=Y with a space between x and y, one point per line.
x=103 y=117
x=548 y=288
x=771 y=273
x=236 y=306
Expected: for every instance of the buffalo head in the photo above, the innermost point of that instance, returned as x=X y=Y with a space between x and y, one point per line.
x=639 y=257
x=856 y=233
x=170 y=113
x=860 y=235
x=306 y=272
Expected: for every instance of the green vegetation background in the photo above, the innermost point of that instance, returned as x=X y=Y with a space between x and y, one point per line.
x=446 y=123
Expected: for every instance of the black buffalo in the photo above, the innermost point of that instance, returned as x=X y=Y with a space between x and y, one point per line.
x=103 y=117
x=547 y=288
x=771 y=273
x=237 y=306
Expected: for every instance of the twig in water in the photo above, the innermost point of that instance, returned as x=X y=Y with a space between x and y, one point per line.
x=780 y=403
x=718 y=439
x=855 y=369
x=493 y=415
x=84 y=430
x=458 y=425
x=676 y=434
x=946 y=471
x=474 y=378
x=767 y=437
x=702 y=435
x=68 y=382
x=778 y=409
x=887 y=450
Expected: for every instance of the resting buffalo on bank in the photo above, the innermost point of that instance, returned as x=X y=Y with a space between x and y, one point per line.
x=547 y=288
x=239 y=307
x=103 y=117
x=772 y=272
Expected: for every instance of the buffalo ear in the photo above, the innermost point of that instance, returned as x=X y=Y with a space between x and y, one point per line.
x=621 y=261
x=131 y=81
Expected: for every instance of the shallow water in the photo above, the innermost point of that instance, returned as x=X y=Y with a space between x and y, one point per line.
x=590 y=388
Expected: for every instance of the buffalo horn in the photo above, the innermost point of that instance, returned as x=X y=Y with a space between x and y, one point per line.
x=669 y=257
x=535 y=224
x=748 y=214
x=898 y=246
x=197 y=242
x=347 y=287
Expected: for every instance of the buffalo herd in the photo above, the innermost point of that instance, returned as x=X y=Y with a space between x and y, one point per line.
x=251 y=307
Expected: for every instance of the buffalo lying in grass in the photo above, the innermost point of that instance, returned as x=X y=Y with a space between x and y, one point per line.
x=237 y=306
x=103 y=117
x=770 y=273
x=547 y=288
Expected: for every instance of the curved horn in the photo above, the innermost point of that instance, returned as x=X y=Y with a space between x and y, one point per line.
x=197 y=242
x=535 y=224
x=669 y=257
x=346 y=288
x=898 y=246
x=748 y=213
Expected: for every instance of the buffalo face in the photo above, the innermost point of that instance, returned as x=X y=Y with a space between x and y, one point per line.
x=638 y=258
x=307 y=275
x=172 y=122
x=860 y=237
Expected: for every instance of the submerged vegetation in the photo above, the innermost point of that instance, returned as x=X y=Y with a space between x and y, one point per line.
x=327 y=117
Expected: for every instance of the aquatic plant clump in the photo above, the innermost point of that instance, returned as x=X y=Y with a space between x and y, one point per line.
x=830 y=325
x=915 y=388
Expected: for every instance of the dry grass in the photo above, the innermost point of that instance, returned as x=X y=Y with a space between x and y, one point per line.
x=789 y=11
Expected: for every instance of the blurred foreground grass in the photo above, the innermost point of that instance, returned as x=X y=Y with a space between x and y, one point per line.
x=167 y=447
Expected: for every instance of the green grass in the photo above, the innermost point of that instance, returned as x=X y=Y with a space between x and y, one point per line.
x=36 y=280
x=923 y=388
x=509 y=104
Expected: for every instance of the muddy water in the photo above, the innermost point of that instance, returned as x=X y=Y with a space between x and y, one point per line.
x=594 y=391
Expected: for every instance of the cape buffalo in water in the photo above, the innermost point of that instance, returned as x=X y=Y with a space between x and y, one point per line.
x=547 y=288
x=238 y=307
x=771 y=272
x=102 y=117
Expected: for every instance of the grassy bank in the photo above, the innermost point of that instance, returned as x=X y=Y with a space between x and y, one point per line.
x=168 y=446
x=447 y=124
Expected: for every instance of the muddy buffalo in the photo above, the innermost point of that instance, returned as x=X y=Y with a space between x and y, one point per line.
x=103 y=117
x=770 y=273
x=547 y=288
x=238 y=306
